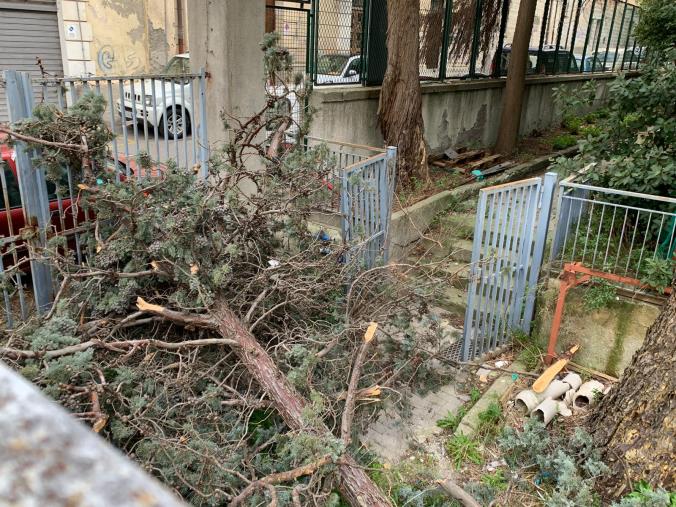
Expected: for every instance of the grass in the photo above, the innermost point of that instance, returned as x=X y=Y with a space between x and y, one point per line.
x=461 y=449
x=564 y=141
x=496 y=480
x=452 y=421
x=490 y=420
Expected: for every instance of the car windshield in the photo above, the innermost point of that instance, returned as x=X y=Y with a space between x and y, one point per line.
x=177 y=66
x=332 y=65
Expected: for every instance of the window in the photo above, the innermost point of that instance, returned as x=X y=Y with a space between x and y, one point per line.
x=12 y=186
x=331 y=64
x=177 y=66
x=355 y=65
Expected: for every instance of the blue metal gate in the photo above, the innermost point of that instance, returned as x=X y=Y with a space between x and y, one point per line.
x=509 y=241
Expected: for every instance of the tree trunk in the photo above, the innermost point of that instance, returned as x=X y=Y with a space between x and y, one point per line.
x=635 y=424
x=355 y=485
x=512 y=102
x=400 y=109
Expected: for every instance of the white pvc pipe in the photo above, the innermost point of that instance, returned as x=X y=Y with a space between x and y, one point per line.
x=555 y=390
x=546 y=410
x=587 y=395
x=526 y=401
x=573 y=380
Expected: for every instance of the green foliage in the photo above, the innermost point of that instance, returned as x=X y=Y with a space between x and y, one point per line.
x=496 y=480
x=656 y=27
x=567 y=466
x=451 y=421
x=474 y=395
x=564 y=141
x=573 y=124
x=571 y=100
x=658 y=273
x=587 y=131
x=530 y=353
x=599 y=295
x=461 y=449
x=490 y=420
x=645 y=496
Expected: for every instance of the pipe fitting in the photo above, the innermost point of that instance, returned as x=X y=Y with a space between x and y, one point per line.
x=587 y=394
x=546 y=411
x=526 y=401
x=573 y=380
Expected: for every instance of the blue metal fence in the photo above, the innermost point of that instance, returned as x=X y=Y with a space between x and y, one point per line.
x=509 y=241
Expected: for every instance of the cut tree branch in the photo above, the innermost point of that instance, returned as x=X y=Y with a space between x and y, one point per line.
x=289 y=475
x=31 y=139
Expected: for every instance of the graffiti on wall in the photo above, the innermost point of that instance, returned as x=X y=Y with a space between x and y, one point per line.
x=107 y=60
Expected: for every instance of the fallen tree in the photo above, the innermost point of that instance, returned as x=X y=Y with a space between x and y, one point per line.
x=209 y=334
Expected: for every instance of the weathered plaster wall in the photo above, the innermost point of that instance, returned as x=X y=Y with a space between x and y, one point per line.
x=118 y=37
x=461 y=113
x=132 y=36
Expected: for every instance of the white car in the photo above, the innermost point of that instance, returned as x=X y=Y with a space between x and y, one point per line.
x=169 y=103
x=337 y=68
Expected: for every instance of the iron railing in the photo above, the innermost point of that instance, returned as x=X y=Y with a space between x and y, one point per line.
x=472 y=39
x=613 y=231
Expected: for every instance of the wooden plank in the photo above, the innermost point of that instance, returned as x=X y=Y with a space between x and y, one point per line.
x=481 y=162
x=497 y=168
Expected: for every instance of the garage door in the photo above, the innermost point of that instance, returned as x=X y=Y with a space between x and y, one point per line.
x=28 y=31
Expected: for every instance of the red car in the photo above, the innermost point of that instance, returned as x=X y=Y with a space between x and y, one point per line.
x=62 y=213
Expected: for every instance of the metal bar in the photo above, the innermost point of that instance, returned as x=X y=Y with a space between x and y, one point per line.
x=626 y=41
x=631 y=58
x=502 y=252
x=542 y=227
x=145 y=115
x=193 y=131
x=204 y=139
x=448 y=19
x=559 y=32
x=600 y=25
x=489 y=305
x=631 y=247
x=489 y=268
x=468 y=328
x=474 y=54
x=598 y=234
x=156 y=127
x=32 y=185
x=586 y=38
x=165 y=124
x=610 y=34
x=504 y=15
x=610 y=236
x=186 y=122
x=619 y=35
x=619 y=247
x=506 y=303
x=573 y=38
x=645 y=238
x=134 y=121
x=123 y=117
x=625 y=193
x=659 y=236
x=543 y=29
x=116 y=156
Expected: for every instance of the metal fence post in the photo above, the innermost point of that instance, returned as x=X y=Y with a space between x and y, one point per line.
x=474 y=55
x=600 y=25
x=572 y=39
x=32 y=186
x=548 y=187
x=610 y=34
x=204 y=135
x=501 y=38
x=619 y=35
x=587 y=35
x=386 y=197
x=443 y=59
x=543 y=29
x=559 y=32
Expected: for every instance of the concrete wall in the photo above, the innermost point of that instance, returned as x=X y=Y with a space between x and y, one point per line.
x=460 y=113
x=608 y=337
x=118 y=37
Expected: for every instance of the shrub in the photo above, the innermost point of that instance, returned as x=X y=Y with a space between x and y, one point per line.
x=599 y=295
x=573 y=124
x=590 y=131
x=658 y=273
x=564 y=141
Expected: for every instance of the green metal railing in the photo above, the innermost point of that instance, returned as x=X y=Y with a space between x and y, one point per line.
x=343 y=41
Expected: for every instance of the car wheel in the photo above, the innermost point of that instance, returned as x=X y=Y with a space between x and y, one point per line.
x=177 y=126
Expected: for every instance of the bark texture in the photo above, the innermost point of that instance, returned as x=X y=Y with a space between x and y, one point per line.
x=516 y=79
x=635 y=424
x=400 y=109
x=355 y=485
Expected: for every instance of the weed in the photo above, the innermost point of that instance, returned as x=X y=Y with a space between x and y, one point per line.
x=573 y=124
x=461 y=448
x=490 y=419
x=474 y=395
x=599 y=295
x=564 y=141
x=530 y=354
x=645 y=495
x=496 y=480
x=657 y=273
x=451 y=421
x=590 y=131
